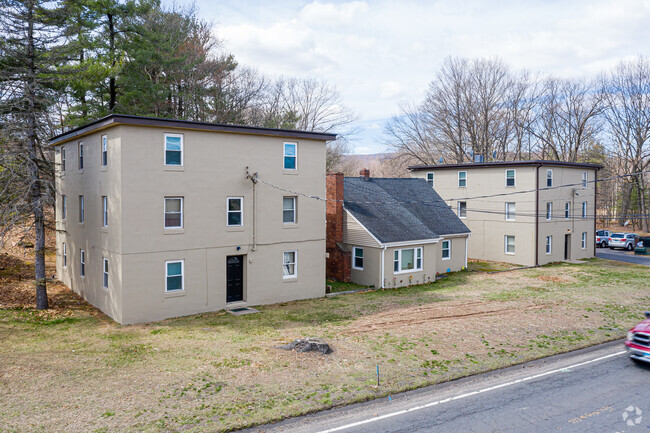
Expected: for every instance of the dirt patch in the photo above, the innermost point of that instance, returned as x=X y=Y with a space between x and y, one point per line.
x=553 y=278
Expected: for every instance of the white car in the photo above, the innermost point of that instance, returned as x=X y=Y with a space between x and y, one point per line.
x=626 y=241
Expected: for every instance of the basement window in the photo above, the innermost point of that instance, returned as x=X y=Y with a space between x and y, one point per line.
x=174 y=276
x=289 y=264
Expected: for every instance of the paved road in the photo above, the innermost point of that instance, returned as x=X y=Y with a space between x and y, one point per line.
x=585 y=391
x=623 y=256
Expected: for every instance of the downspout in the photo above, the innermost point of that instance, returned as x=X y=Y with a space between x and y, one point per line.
x=466 y=241
x=595 y=206
x=383 y=277
x=537 y=215
x=253 y=178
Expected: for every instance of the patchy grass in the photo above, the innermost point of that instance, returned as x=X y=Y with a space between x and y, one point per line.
x=339 y=286
x=72 y=369
x=486 y=266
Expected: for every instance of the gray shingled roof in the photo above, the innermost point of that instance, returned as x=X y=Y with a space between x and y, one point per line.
x=400 y=210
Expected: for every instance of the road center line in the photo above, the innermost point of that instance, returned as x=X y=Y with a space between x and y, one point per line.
x=469 y=394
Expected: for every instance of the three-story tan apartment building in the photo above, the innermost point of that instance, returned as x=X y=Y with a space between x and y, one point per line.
x=522 y=212
x=159 y=218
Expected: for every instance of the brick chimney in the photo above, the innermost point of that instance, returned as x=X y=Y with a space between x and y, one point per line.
x=339 y=262
x=365 y=173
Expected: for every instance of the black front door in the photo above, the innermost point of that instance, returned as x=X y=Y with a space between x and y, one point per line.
x=234 y=278
x=567 y=247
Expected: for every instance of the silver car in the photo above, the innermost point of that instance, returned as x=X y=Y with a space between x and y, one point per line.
x=626 y=241
x=602 y=237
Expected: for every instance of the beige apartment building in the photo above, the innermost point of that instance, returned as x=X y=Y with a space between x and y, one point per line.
x=159 y=218
x=521 y=212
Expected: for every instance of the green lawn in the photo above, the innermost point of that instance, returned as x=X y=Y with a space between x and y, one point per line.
x=79 y=371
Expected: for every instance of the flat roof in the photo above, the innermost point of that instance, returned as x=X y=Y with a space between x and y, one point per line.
x=127 y=119
x=537 y=162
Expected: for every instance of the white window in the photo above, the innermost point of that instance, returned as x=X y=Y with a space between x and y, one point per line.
x=82 y=262
x=105 y=211
x=173 y=149
x=510 y=211
x=430 y=179
x=81 y=155
x=549 y=242
x=174 y=271
x=173 y=212
x=567 y=210
x=446 y=250
x=510 y=177
x=235 y=211
x=584 y=209
x=62 y=158
x=462 y=179
x=585 y=178
x=549 y=178
x=549 y=210
x=81 y=209
x=462 y=209
x=357 y=258
x=290 y=156
x=290 y=264
x=65 y=255
x=64 y=207
x=510 y=244
x=583 y=242
x=105 y=273
x=407 y=259
x=288 y=209
x=104 y=151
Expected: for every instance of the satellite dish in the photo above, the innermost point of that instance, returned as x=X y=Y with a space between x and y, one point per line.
x=440 y=160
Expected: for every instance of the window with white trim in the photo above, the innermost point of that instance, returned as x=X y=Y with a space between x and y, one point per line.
x=82 y=263
x=583 y=240
x=510 y=244
x=104 y=211
x=357 y=258
x=81 y=209
x=174 y=275
x=510 y=211
x=173 y=212
x=585 y=179
x=430 y=179
x=567 y=210
x=289 y=264
x=174 y=149
x=549 y=210
x=289 y=209
x=290 y=156
x=549 y=242
x=235 y=212
x=462 y=179
x=584 y=209
x=462 y=209
x=105 y=273
x=549 y=178
x=446 y=250
x=104 y=150
x=407 y=259
x=63 y=158
x=510 y=177
x=64 y=207
x=80 y=155
x=65 y=255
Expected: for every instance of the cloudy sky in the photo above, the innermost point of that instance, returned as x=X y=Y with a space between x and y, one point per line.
x=380 y=54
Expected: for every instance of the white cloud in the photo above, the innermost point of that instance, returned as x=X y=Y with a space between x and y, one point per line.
x=390 y=89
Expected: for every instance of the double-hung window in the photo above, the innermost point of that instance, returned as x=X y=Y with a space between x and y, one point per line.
x=64 y=207
x=462 y=179
x=63 y=158
x=289 y=209
x=510 y=177
x=65 y=255
x=80 y=155
x=82 y=263
x=430 y=179
x=583 y=240
x=510 y=211
x=173 y=212
x=549 y=210
x=174 y=281
x=510 y=244
x=289 y=264
x=104 y=211
x=585 y=178
x=357 y=258
x=549 y=244
x=584 y=209
x=567 y=210
x=549 y=178
x=446 y=250
x=407 y=259
x=290 y=156
x=462 y=209
x=104 y=150
x=173 y=149
x=81 y=209
x=235 y=215
x=105 y=273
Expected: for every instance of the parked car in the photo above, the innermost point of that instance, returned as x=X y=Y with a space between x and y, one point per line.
x=602 y=237
x=627 y=241
x=638 y=341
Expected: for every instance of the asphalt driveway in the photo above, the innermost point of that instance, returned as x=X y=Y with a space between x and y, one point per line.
x=622 y=256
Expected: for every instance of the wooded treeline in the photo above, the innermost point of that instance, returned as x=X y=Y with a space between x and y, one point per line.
x=481 y=107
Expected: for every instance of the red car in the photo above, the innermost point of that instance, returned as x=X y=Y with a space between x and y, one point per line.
x=638 y=341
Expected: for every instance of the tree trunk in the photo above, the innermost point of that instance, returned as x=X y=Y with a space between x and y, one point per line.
x=112 y=91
